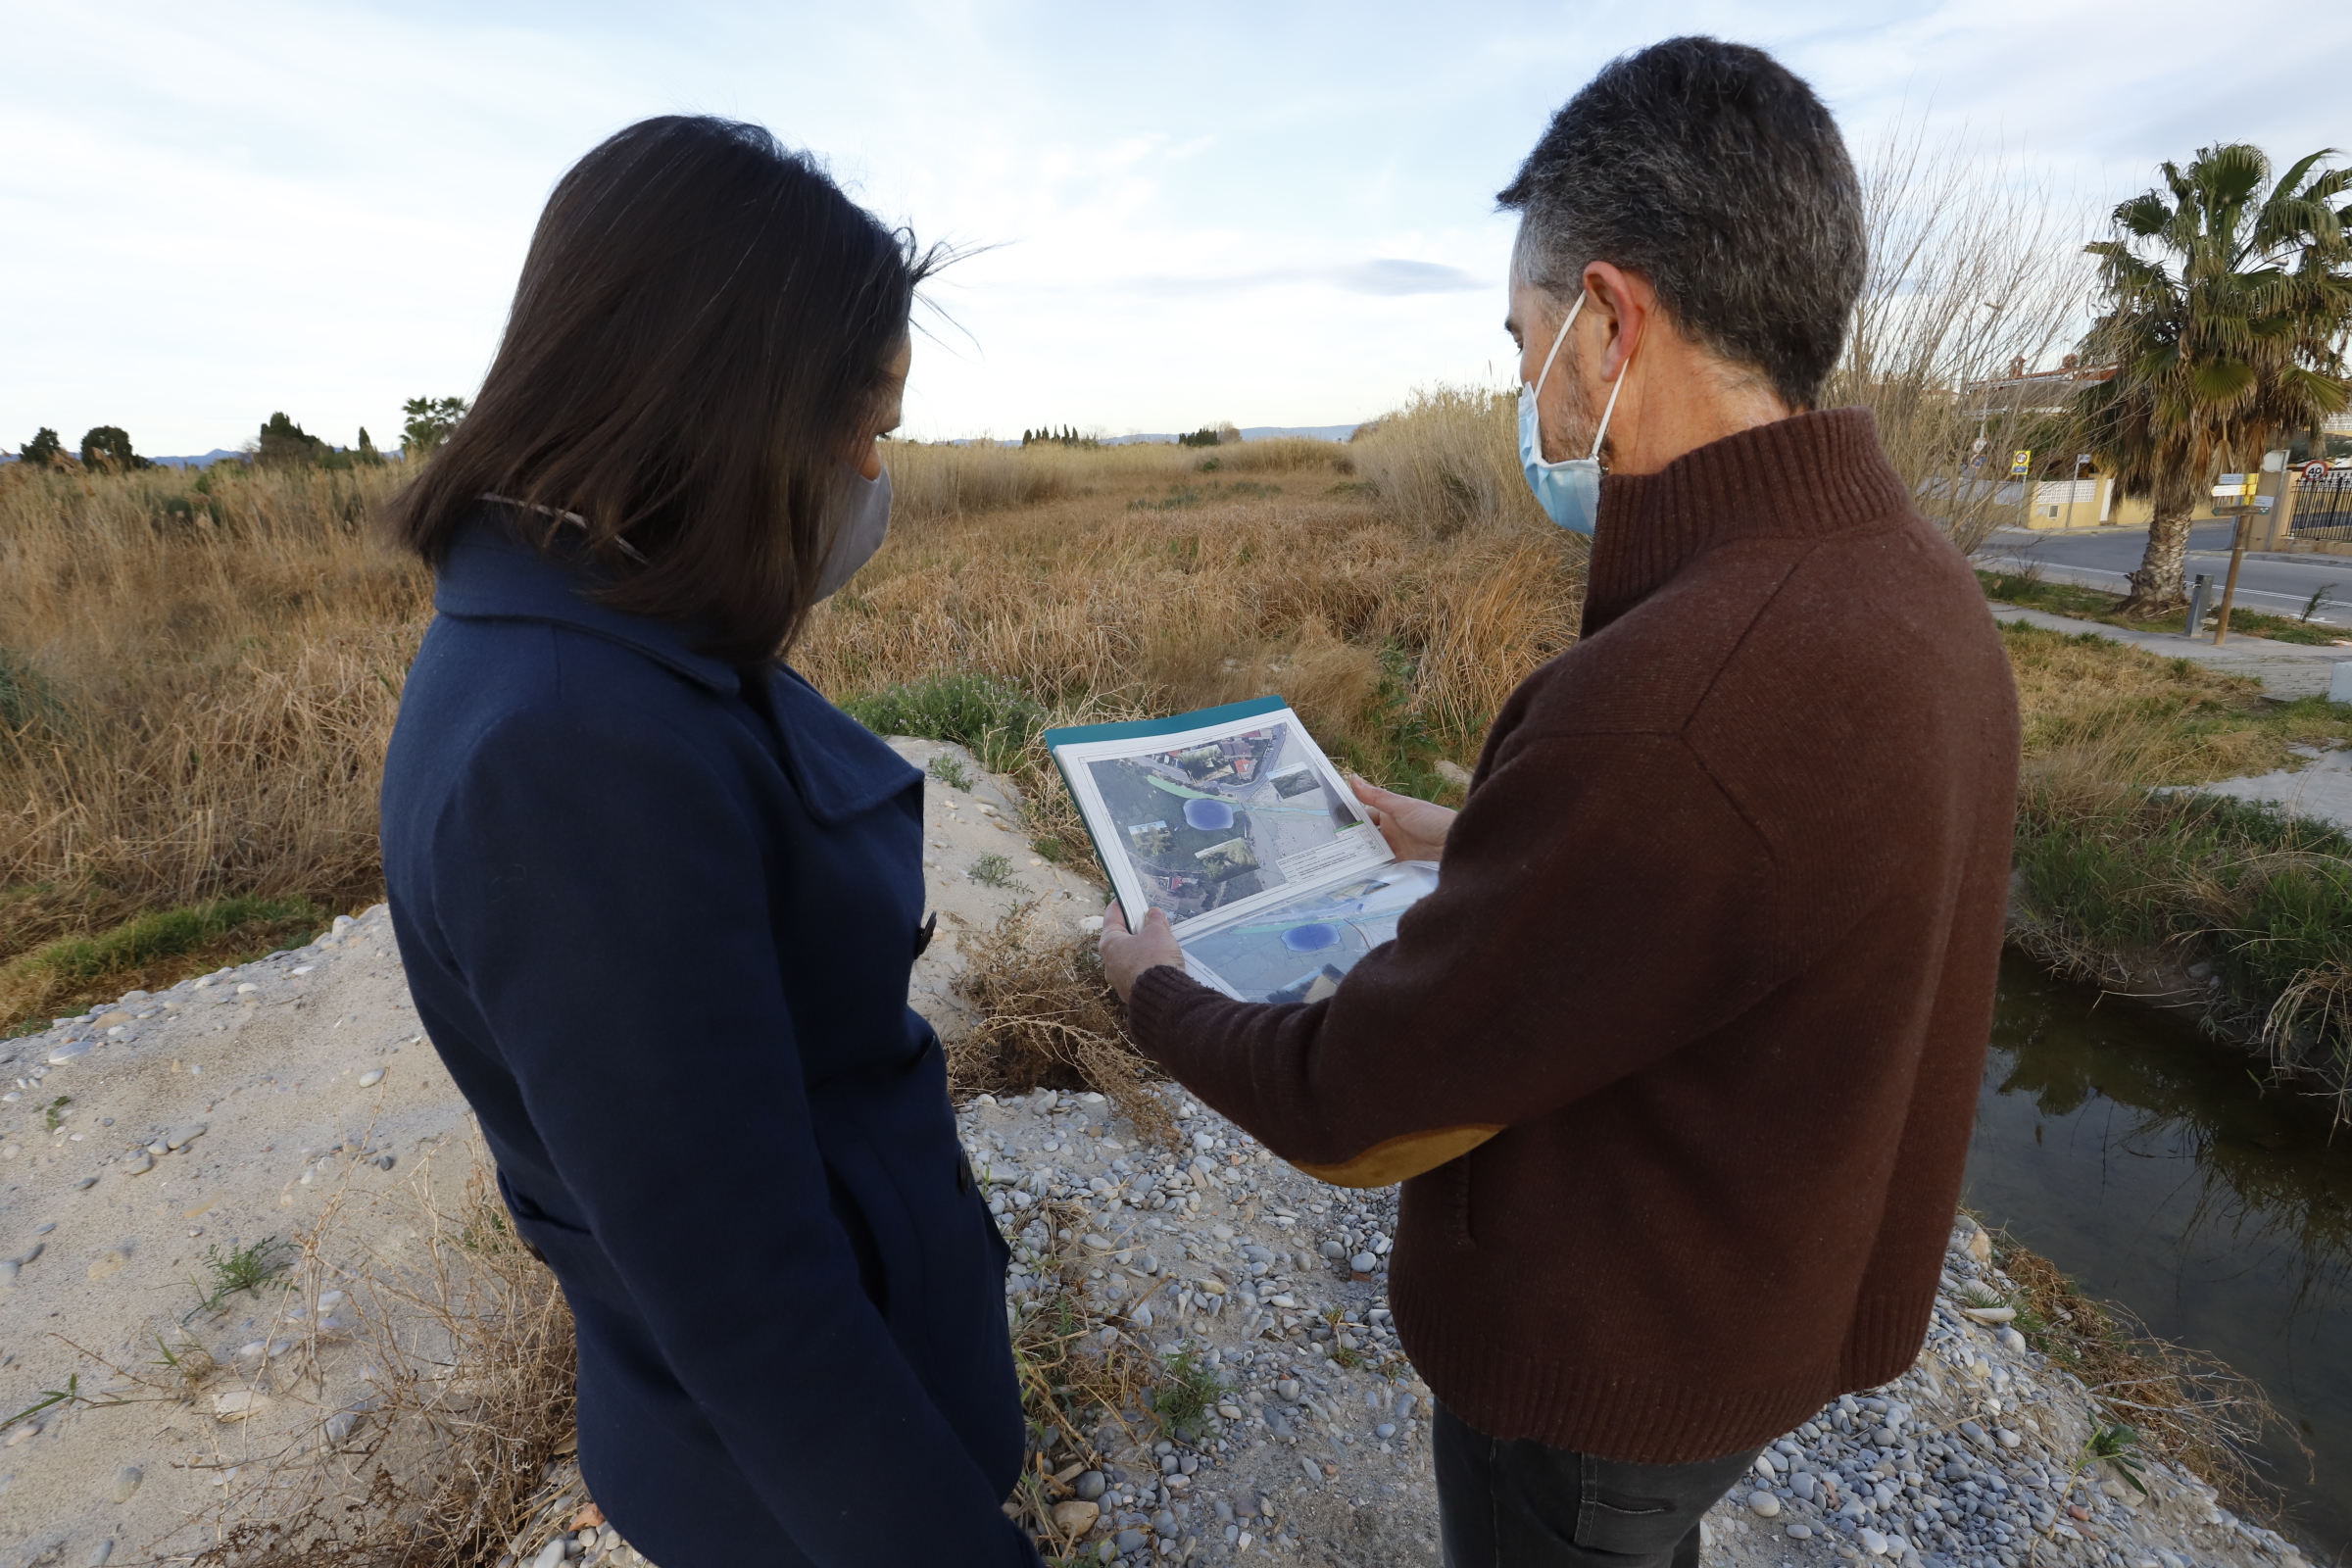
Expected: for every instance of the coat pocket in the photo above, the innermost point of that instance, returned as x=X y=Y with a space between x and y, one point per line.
x=572 y=1254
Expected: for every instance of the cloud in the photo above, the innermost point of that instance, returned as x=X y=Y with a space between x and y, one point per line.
x=1388 y=275
x=1383 y=275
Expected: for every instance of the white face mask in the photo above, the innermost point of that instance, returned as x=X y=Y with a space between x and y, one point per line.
x=1568 y=492
x=864 y=523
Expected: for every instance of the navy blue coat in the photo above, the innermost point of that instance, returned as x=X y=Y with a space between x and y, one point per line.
x=659 y=921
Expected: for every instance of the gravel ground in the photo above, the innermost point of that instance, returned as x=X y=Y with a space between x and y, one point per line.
x=234 y=1108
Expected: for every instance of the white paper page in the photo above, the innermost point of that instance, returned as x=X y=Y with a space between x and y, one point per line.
x=1300 y=949
x=1219 y=820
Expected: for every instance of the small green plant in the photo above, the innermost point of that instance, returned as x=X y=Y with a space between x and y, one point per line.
x=993 y=720
x=71 y=1394
x=54 y=1111
x=2116 y=1445
x=1185 y=1395
x=993 y=871
x=1051 y=849
x=1173 y=502
x=949 y=771
x=240 y=1268
x=2320 y=596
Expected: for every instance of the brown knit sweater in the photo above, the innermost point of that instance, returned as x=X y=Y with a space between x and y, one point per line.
x=1714 y=946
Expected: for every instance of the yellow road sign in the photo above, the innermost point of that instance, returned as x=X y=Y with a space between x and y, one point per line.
x=2020 y=463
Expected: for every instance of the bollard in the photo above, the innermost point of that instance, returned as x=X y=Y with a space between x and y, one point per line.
x=2339 y=682
x=2197 y=606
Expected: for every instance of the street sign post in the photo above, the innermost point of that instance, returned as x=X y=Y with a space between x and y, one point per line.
x=2021 y=468
x=2246 y=504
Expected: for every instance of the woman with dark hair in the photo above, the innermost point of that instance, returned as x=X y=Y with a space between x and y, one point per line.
x=659 y=899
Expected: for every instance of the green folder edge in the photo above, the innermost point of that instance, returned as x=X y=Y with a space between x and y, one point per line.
x=1136 y=729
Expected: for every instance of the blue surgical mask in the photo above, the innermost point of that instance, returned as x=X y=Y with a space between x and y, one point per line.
x=1568 y=492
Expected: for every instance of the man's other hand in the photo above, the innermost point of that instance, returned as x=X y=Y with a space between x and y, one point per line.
x=1126 y=954
x=1415 y=829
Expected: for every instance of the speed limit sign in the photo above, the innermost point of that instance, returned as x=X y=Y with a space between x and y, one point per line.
x=2315 y=472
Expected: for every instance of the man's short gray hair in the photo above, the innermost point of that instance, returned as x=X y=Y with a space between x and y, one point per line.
x=1712 y=171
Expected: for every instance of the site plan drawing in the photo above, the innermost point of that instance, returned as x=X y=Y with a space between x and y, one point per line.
x=1232 y=822
x=1300 y=951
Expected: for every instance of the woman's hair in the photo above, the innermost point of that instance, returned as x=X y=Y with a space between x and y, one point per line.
x=702 y=335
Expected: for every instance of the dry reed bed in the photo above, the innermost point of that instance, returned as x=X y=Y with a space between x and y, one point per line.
x=197 y=685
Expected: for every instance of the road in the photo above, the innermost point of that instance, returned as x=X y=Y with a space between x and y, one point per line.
x=2276 y=585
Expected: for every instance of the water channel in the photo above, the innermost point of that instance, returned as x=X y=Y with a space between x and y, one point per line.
x=2147 y=1163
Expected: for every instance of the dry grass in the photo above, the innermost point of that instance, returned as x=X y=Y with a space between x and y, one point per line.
x=1047 y=1019
x=196 y=688
x=2182 y=1406
x=194 y=708
x=470 y=1349
x=2107 y=715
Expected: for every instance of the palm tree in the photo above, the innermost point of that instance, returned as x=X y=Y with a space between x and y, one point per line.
x=2224 y=301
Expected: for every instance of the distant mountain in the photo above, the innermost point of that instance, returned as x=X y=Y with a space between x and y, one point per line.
x=1250 y=432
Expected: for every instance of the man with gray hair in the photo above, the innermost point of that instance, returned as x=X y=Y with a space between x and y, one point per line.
x=1679 y=1061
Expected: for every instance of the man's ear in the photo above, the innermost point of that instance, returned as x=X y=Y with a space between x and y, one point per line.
x=1628 y=303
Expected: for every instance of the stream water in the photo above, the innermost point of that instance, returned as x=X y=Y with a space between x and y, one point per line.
x=2147 y=1163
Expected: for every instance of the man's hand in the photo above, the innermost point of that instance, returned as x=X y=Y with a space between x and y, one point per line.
x=1415 y=829
x=1126 y=954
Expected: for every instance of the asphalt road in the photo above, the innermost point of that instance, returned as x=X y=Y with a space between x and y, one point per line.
x=2276 y=585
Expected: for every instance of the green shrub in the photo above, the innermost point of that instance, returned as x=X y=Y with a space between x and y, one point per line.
x=990 y=718
x=2265 y=897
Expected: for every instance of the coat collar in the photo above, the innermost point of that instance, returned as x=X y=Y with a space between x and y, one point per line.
x=840 y=768
x=489 y=574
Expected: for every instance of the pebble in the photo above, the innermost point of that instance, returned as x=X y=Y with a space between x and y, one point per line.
x=68 y=1051
x=1764 y=1505
x=372 y=1077
x=139 y=1163
x=1801 y=1532
x=1872 y=1543
x=100 y=1552
x=126 y=1482
x=238 y=1403
x=1131 y=1541
x=551 y=1554
x=1075 y=1517
x=1091 y=1486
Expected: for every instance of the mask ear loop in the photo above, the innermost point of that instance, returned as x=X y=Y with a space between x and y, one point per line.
x=1544 y=374
x=1618 y=386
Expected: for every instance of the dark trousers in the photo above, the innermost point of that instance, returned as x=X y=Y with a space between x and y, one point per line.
x=1519 y=1503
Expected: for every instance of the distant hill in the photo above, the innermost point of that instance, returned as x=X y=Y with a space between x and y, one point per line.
x=1250 y=432
x=204 y=462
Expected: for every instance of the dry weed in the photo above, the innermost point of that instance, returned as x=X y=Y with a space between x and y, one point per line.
x=470 y=1370
x=1078 y=1382
x=1047 y=1019
x=2184 y=1406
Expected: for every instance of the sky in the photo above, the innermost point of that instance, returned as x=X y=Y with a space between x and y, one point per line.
x=1265 y=213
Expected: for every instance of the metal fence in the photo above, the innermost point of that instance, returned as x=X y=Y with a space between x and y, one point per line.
x=2324 y=507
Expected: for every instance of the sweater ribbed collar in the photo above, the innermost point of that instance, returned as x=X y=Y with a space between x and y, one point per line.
x=1808 y=476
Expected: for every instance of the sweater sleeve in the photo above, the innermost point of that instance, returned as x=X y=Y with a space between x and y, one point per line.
x=657 y=1060
x=1601 y=902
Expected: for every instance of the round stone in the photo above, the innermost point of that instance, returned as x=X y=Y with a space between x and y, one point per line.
x=1764 y=1505
x=1801 y=1532
x=1090 y=1486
